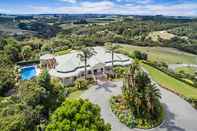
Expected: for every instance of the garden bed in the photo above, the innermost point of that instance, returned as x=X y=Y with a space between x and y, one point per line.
x=119 y=108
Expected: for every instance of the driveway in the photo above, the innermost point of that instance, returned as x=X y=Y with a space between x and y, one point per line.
x=180 y=116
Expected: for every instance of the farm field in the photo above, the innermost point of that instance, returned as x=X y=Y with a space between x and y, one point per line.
x=168 y=55
x=171 y=83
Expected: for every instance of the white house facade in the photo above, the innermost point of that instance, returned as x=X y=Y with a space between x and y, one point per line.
x=69 y=67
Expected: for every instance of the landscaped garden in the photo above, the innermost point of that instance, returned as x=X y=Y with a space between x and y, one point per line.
x=139 y=105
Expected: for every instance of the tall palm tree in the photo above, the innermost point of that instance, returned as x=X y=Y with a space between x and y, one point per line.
x=141 y=95
x=111 y=48
x=85 y=54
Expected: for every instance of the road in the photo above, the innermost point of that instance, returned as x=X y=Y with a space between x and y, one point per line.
x=180 y=115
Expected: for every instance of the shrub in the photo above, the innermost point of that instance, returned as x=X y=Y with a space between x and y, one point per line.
x=81 y=84
x=120 y=71
x=77 y=115
x=139 y=55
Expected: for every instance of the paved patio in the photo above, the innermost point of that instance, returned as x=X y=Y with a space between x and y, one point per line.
x=180 y=116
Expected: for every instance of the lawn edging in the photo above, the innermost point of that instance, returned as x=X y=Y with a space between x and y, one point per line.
x=168 y=73
x=192 y=101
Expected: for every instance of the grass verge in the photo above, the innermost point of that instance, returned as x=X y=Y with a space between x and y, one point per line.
x=171 y=83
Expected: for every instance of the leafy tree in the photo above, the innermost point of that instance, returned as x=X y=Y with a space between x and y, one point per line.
x=16 y=116
x=77 y=115
x=31 y=93
x=85 y=54
x=12 y=50
x=26 y=52
x=7 y=80
x=44 y=80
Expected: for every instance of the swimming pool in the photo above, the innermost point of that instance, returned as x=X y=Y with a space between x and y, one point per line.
x=28 y=73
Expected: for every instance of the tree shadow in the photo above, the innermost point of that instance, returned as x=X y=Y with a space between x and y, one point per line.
x=169 y=123
x=106 y=85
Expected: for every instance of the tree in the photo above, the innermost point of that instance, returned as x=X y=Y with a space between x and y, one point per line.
x=139 y=55
x=142 y=97
x=79 y=115
x=16 y=116
x=12 y=50
x=31 y=93
x=54 y=90
x=85 y=54
x=7 y=80
x=111 y=48
x=26 y=52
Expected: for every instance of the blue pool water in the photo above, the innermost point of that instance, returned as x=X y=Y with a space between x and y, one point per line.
x=28 y=73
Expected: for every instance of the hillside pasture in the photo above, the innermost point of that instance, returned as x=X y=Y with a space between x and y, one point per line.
x=163 y=54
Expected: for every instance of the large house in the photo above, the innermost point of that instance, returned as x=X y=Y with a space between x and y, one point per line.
x=69 y=67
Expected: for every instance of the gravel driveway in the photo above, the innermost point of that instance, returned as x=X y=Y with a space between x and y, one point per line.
x=180 y=116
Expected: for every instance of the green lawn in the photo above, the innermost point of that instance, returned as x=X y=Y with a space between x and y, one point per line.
x=75 y=95
x=171 y=83
x=189 y=70
x=168 y=55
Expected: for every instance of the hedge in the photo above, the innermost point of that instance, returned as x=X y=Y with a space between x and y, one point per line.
x=22 y=63
x=168 y=73
x=193 y=102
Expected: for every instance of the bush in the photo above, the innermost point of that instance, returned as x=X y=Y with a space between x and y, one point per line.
x=139 y=55
x=81 y=84
x=120 y=71
x=77 y=115
x=22 y=63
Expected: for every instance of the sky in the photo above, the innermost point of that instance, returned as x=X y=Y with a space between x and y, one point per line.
x=125 y=7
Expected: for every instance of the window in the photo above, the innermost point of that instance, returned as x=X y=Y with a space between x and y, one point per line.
x=89 y=72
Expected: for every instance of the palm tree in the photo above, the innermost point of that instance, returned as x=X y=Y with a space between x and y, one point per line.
x=152 y=95
x=111 y=48
x=85 y=54
x=141 y=95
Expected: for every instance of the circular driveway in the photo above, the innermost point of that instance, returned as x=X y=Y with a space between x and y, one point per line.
x=180 y=115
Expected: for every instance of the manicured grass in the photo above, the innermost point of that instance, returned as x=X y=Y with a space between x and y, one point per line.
x=75 y=95
x=168 y=55
x=171 y=83
x=189 y=70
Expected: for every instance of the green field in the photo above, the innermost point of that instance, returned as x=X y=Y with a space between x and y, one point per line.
x=168 y=55
x=75 y=95
x=171 y=83
x=189 y=70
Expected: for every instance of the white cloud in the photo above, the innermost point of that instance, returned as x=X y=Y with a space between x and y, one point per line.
x=70 y=1
x=5 y=11
x=108 y=7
